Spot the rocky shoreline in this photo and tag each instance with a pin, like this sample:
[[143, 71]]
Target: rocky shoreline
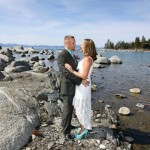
[[46, 134]]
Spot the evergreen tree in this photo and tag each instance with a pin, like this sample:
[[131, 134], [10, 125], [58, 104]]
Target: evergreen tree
[[109, 44], [132, 45], [137, 42], [143, 41]]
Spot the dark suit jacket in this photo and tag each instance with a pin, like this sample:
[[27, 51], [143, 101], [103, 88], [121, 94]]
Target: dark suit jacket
[[68, 80]]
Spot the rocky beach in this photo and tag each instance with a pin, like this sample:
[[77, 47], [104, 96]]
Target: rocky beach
[[45, 108], [31, 109]]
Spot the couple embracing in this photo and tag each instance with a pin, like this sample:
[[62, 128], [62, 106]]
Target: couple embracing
[[76, 85]]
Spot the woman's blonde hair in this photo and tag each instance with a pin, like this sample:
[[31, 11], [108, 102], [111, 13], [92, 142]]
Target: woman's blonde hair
[[90, 49]]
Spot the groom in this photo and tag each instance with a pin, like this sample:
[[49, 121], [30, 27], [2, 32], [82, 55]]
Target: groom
[[68, 83]]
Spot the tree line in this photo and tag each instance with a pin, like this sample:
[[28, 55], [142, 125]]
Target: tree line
[[137, 44]]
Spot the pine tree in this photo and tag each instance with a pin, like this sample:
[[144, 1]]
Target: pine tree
[[137, 42], [143, 41], [109, 44]]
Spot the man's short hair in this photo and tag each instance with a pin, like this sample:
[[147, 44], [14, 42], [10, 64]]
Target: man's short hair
[[67, 37]]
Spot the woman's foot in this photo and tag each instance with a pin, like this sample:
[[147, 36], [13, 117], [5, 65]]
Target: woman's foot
[[79, 129], [81, 134]]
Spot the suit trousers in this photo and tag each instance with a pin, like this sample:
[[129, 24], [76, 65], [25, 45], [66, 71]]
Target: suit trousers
[[67, 113]]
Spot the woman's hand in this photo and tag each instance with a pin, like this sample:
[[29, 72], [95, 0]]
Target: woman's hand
[[69, 67]]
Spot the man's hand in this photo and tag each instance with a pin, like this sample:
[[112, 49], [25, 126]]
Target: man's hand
[[85, 83]]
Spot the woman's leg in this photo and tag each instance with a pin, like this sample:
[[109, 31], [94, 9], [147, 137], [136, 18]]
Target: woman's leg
[[82, 129]]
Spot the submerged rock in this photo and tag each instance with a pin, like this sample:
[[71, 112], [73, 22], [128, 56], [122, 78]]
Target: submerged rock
[[139, 105], [135, 90]]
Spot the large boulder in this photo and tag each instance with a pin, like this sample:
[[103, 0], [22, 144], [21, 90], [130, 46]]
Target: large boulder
[[18, 49], [51, 56], [6, 59], [6, 51], [20, 63], [35, 58], [102, 60], [95, 65], [18, 118], [18, 66], [55, 78], [115, 60], [31, 50]]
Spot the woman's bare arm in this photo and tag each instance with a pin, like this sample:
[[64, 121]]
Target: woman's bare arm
[[87, 62]]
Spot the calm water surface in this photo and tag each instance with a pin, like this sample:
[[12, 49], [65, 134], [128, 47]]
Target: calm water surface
[[119, 78]]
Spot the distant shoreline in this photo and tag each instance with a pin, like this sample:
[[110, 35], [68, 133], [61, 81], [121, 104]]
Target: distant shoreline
[[128, 50], [40, 47]]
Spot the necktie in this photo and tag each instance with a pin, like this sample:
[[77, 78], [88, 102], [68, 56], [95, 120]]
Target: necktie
[[74, 58]]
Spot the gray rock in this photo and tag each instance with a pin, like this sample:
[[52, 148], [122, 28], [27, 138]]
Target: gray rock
[[95, 65], [94, 87], [50, 145], [5, 59], [111, 115], [18, 49], [52, 108], [35, 58], [139, 105], [102, 60], [129, 139], [1, 75], [9, 69], [23, 55], [115, 60], [120, 96], [18, 66], [19, 116], [51, 56], [31, 50], [124, 111], [42, 96], [2, 66], [111, 137], [135, 90], [20, 63], [54, 77], [6, 51], [101, 146]]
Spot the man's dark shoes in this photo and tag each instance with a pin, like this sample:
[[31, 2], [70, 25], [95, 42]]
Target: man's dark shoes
[[69, 137], [72, 127]]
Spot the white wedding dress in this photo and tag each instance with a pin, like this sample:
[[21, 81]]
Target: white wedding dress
[[82, 100]]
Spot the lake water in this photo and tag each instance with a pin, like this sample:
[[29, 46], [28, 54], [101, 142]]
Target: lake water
[[119, 78]]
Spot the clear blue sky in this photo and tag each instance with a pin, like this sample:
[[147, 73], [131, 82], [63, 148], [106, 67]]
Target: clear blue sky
[[39, 22]]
